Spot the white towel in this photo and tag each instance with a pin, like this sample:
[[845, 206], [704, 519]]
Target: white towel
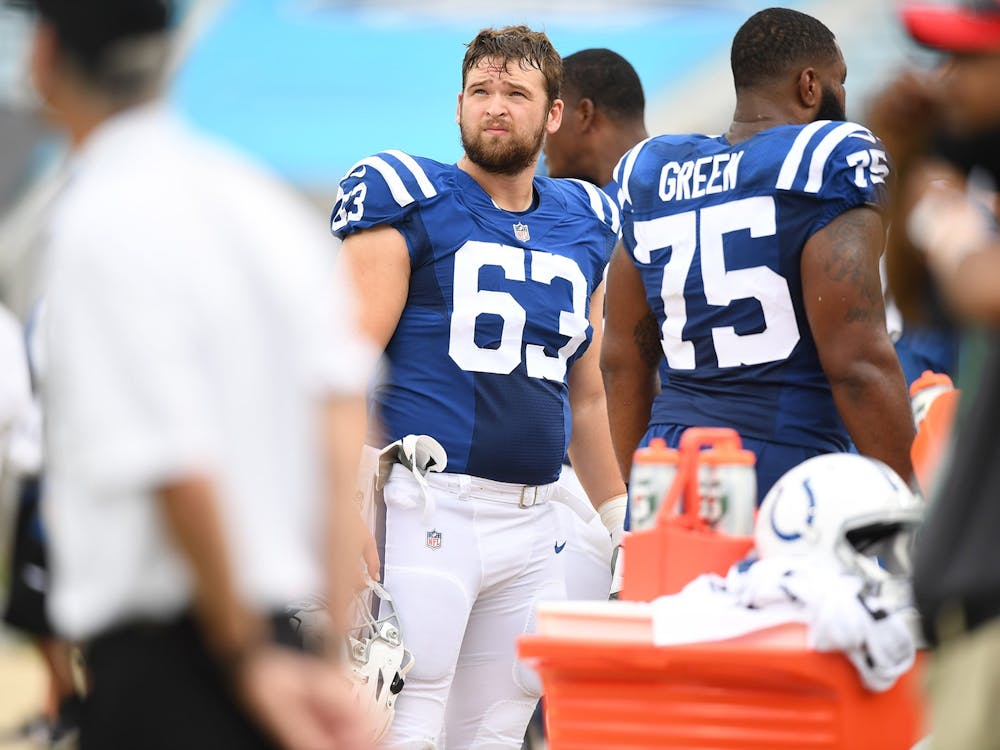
[[778, 591]]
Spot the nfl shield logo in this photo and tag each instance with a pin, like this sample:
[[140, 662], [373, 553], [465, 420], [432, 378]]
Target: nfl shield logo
[[521, 232], [434, 539]]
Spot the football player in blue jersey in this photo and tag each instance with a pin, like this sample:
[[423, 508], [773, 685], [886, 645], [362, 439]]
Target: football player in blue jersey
[[749, 262], [603, 117], [483, 283]]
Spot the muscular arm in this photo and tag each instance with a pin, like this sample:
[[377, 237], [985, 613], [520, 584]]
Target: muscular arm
[[590, 447], [379, 265], [630, 354], [843, 300]]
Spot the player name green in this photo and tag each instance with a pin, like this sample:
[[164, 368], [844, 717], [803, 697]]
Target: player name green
[[696, 179]]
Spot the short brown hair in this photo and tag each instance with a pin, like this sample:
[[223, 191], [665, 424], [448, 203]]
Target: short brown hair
[[531, 49]]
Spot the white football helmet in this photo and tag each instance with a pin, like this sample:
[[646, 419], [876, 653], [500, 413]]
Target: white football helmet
[[374, 649], [845, 511], [379, 661]]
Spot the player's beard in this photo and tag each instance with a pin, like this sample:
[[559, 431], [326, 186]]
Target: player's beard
[[829, 107], [510, 155]]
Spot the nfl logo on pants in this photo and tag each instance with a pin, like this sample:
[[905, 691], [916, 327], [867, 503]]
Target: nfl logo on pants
[[434, 539]]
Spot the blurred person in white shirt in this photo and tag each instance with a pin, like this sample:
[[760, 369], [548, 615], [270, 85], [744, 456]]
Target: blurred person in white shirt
[[204, 406]]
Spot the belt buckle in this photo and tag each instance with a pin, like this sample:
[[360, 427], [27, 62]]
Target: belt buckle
[[534, 497]]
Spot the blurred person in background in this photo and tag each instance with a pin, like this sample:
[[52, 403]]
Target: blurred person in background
[[20, 472], [944, 127], [484, 284], [204, 405], [750, 262], [31, 174], [603, 117]]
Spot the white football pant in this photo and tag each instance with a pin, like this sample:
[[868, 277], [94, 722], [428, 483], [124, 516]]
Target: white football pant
[[466, 582]]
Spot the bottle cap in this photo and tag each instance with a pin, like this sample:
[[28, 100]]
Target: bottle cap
[[727, 454], [657, 452], [930, 379]]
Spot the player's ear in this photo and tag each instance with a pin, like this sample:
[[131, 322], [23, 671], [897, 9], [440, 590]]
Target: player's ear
[[809, 89], [555, 116], [585, 113], [458, 110]]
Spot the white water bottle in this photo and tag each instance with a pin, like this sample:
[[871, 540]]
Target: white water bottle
[[727, 484], [653, 470]]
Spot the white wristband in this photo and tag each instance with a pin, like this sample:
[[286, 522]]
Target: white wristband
[[612, 512]]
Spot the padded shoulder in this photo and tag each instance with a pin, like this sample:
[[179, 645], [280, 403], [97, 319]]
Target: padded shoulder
[[836, 160], [382, 189]]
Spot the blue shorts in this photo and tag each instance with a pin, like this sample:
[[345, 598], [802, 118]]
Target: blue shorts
[[927, 348]]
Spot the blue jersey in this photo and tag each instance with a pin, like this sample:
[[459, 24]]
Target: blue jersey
[[716, 232], [497, 312]]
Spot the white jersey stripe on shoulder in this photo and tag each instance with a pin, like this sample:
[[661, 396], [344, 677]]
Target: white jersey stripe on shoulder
[[789, 168], [350, 172], [626, 167], [616, 219], [595, 200], [392, 179], [616, 172], [601, 204], [418, 172], [825, 148]]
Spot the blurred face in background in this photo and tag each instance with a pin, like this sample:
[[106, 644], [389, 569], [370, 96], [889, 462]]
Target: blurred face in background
[[970, 92], [564, 147]]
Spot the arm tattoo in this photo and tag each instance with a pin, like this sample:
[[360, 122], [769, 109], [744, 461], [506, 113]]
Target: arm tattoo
[[847, 261], [647, 338]]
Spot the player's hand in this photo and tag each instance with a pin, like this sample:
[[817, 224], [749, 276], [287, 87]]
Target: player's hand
[[302, 702], [904, 113]]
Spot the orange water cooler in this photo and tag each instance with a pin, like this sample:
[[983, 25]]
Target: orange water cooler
[[607, 686]]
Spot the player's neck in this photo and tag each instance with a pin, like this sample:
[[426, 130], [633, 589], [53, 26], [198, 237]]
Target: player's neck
[[614, 147], [755, 113], [510, 192]]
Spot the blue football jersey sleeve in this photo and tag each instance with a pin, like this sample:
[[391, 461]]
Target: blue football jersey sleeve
[[840, 164], [381, 189], [497, 310]]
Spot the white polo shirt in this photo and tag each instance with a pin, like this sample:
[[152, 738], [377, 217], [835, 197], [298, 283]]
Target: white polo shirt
[[194, 324]]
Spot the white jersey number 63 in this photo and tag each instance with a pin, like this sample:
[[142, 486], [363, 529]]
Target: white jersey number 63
[[470, 302]]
